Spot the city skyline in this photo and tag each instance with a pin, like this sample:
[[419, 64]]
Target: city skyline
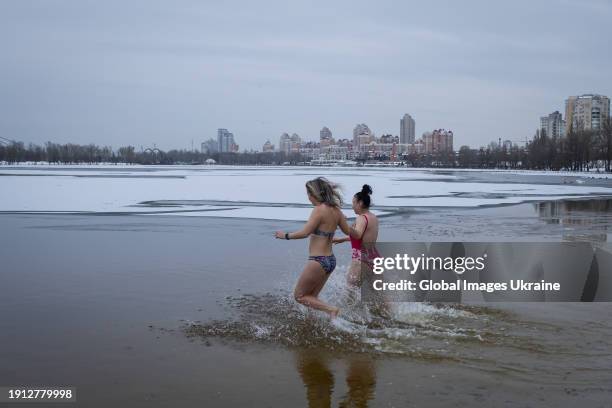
[[590, 109], [151, 73]]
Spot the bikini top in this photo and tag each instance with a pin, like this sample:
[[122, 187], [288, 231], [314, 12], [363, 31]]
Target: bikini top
[[324, 233]]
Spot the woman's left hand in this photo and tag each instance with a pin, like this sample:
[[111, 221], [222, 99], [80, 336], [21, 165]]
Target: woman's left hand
[[279, 235]]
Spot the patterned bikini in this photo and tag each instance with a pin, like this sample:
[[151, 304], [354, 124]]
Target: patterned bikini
[[327, 262]]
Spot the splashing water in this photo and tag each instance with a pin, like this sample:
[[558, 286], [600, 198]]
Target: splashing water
[[419, 330]]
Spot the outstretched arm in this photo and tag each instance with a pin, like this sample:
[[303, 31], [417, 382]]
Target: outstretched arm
[[340, 240], [309, 227], [343, 223], [358, 228], [353, 232]]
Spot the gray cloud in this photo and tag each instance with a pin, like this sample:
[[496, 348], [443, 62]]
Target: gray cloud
[[144, 72]]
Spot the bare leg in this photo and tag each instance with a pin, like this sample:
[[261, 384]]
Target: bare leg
[[309, 285], [320, 286]]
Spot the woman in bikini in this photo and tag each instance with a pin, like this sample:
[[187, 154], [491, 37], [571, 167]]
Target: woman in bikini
[[325, 218], [364, 233]]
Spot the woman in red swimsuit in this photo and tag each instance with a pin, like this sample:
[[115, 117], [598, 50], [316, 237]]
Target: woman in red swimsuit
[[366, 226]]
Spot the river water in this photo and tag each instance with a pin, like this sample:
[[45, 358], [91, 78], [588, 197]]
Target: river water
[[156, 310]]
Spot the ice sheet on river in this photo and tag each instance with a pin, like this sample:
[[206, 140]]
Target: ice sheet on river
[[263, 192]]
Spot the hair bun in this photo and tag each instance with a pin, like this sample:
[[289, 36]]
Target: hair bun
[[366, 189]]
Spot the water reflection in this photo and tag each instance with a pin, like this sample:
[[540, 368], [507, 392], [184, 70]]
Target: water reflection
[[314, 369], [317, 377], [361, 382], [582, 220]]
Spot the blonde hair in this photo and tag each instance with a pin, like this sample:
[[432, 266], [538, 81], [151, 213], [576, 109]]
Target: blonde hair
[[325, 191]]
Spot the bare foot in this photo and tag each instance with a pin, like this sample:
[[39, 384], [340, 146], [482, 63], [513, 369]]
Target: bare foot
[[334, 313]]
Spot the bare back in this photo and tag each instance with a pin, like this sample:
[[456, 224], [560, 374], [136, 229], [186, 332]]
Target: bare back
[[371, 232], [329, 220]]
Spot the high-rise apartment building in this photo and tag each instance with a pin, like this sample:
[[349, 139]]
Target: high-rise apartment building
[[553, 124], [438, 141], [296, 143], [284, 144], [325, 133], [407, 128], [326, 138], [225, 141], [362, 134], [586, 111]]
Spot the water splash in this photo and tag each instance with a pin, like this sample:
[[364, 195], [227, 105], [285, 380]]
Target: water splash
[[418, 330]]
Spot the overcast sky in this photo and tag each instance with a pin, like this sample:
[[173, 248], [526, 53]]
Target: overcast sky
[[169, 72]]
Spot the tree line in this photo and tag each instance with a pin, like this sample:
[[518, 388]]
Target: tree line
[[70, 153], [578, 150]]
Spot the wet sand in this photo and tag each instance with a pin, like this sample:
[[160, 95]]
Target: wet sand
[[150, 311]]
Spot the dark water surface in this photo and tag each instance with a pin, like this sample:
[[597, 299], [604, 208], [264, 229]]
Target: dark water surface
[[175, 311]]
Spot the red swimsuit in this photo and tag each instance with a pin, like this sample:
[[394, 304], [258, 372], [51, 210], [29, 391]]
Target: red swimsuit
[[366, 255]]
